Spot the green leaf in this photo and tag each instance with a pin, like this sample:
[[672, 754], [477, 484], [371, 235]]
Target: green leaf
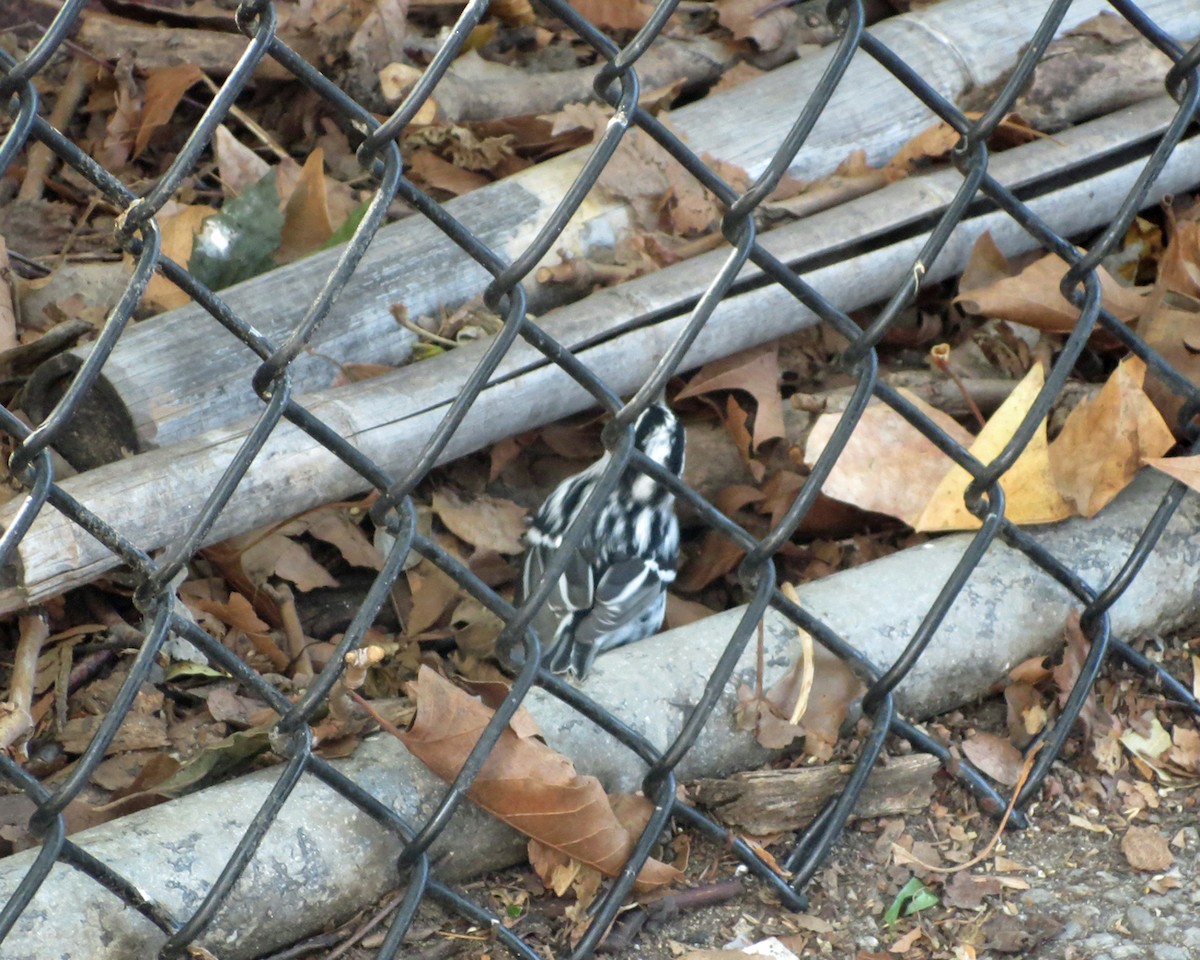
[[423, 350], [240, 241], [186, 668], [216, 761], [343, 233], [913, 897], [923, 899]]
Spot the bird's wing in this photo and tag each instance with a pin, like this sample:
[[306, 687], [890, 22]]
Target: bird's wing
[[570, 598], [627, 606]]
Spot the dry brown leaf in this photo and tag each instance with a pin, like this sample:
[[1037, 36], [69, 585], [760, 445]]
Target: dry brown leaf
[[138, 731], [1029, 490], [888, 466], [615, 14], [1146, 849], [523, 782], [178, 225], [433, 593], [755, 371], [236, 612], [379, 38], [1179, 271], [307, 225], [779, 492], [164, 89], [681, 612], [120, 132], [475, 628], [744, 19], [1106, 439], [986, 265], [1184, 469], [1066, 674], [967, 891], [995, 756], [1032, 297], [436, 172], [336, 527], [736, 421], [1026, 715], [513, 13], [716, 557], [554, 868], [834, 688], [488, 523], [906, 942], [932, 143], [281, 556], [1175, 334]]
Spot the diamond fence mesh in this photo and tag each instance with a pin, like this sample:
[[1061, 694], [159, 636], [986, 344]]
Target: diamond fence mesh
[[378, 153]]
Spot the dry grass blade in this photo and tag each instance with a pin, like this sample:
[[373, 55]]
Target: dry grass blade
[[809, 668]]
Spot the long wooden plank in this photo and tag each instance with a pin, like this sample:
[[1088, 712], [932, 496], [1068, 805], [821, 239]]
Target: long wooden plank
[[178, 375], [154, 496]]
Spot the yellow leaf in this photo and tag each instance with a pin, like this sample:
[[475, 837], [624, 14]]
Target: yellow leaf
[[1029, 490], [1106, 438]]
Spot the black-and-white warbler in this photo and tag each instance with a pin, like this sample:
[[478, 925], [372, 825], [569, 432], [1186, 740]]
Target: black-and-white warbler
[[613, 591]]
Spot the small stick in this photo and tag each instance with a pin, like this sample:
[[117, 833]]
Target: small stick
[[422, 332], [250, 123], [292, 628], [41, 157], [760, 664], [623, 933], [8, 309], [385, 724], [16, 720], [939, 356], [370, 924]]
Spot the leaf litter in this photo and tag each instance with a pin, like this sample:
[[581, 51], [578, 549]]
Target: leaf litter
[[252, 594]]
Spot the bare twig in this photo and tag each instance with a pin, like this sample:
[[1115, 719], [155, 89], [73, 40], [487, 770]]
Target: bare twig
[[41, 158], [367, 926], [292, 628], [250, 123], [939, 356], [624, 932], [16, 720]]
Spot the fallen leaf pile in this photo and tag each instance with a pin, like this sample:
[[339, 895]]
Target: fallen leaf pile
[[891, 467]]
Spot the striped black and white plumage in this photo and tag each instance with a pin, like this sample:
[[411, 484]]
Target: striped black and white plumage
[[613, 591]]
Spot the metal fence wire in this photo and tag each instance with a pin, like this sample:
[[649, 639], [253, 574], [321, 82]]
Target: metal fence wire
[[378, 153]]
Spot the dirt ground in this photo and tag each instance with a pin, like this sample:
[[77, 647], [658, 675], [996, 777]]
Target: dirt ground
[[1062, 889]]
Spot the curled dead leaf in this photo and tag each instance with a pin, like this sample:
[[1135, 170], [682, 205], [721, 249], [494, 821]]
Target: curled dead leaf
[[1032, 297], [523, 782]]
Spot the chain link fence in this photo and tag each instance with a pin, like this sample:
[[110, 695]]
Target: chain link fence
[[378, 153]]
